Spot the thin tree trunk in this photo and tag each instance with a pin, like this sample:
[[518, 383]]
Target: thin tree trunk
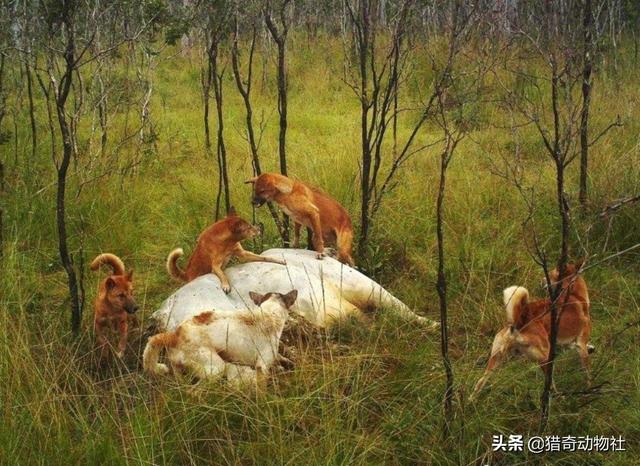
[[635, 47], [280, 38], [441, 287], [1, 209], [67, 141], [282, 136], [206, 95], [46, 92], [14, 114], [102, 116], [364, 45], [223, 180], [282, 107], [556, 289], [245, 92], [65, 257], [32, 118], [2, 113], [377, 91], [586, 100]]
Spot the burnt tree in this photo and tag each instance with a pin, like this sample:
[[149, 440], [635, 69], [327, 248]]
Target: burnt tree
[[244, 88], [279, 35], [214, 29], [61, 87], [587, 67]]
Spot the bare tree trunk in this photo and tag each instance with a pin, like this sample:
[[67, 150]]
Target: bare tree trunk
[[364, 50], [65, 257], [206, 80], [563, 208], [377, 89], [555, 295], [280, 38], [282, 108], [145, 76], [46, 92], [613, 33], [61, 95], [223, 180], [441, 286], [32, 118], [3, 111], [635, 46], [245, 92], [186, 41], [14, 114], [2, 193], [103, 116], [587, 67], [222, 151]]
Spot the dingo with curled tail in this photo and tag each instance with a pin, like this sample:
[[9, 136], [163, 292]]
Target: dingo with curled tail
[[528, 327], [113, 303], [216, 245]]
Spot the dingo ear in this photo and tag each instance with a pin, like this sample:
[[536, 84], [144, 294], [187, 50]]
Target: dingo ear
[[110, 282], [251, 180], [290, 298], [256, 297], [284, 185], [130, 275], [580, 263]]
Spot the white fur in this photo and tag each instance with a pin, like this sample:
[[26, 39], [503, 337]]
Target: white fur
[[250, 346], [512, 296], [327, 291]]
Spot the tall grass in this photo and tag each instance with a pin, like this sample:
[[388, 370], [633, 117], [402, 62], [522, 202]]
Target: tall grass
[[360, 394]]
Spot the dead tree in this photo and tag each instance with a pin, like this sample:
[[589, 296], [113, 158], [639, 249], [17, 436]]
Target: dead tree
[[145, 69], [102, 104], [244, 88], [68, 30], [441, 285], [32, 116], [590, 45], [215, 26], [553, 110], [376, 78], [223, 177], [279, 35], [451, 96], [5, 45], [558, 142], [375, 86], [3, 111], [61, 88], [587, 67]]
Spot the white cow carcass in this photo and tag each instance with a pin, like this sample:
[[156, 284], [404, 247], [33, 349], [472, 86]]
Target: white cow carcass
[[327, 291]]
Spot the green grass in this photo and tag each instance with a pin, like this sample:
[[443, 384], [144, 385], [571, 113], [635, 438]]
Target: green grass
[[360, 394]]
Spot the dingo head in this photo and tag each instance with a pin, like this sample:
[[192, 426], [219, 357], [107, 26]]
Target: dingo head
[[267, 186], [239, 227], [119, 292]]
